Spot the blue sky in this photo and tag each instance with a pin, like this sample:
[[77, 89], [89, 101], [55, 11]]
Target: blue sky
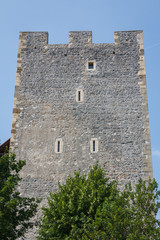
[[103, 17]]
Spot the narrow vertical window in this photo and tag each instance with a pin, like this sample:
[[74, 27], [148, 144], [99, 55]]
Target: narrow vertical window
[[94, 145], [79, 95], [58, 145]]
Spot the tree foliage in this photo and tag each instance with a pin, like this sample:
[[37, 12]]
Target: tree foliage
[[15, 211], [92, 207]]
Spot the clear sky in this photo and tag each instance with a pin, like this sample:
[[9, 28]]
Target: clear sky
[[103, 17]]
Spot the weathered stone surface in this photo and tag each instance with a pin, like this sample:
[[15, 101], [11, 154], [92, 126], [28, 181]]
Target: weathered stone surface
[[114, 109]]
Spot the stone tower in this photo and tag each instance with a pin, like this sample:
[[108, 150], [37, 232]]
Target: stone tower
[[77, 103]]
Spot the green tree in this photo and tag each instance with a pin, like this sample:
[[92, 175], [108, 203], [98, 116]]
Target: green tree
[[15, 211], [92, 207]]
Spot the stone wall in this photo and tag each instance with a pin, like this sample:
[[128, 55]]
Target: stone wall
[[113, 110]]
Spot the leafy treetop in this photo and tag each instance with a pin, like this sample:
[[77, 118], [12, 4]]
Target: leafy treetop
[[15, 211], [92, 207]]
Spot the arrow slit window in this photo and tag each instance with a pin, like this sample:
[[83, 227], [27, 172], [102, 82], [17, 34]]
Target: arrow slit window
[[94, 145], [58, 146], [79, 95]]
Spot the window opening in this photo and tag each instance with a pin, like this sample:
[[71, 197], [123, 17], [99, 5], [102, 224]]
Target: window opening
[[90, 65], [94, 146], [58, 146], [79, 96]]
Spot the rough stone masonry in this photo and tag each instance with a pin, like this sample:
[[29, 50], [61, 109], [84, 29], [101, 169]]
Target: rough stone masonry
[[77, 103]]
